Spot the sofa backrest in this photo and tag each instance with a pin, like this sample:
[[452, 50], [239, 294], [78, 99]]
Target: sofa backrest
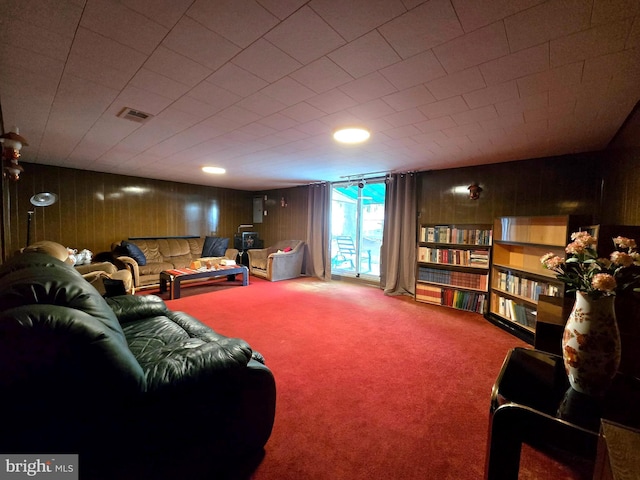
[[179, 251]]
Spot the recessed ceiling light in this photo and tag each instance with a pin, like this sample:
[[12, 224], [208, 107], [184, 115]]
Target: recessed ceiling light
[[351, 135], [214, 170]]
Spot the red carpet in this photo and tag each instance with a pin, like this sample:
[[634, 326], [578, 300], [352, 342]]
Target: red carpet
[[369, 386]]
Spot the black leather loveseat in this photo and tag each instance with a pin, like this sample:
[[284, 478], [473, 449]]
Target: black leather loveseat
[[136, 390]]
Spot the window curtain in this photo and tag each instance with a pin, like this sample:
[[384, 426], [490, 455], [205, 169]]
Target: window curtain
[[397, 270], [318, 263]]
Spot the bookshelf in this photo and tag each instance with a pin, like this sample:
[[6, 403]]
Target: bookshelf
[[453, 265], [518, 279]]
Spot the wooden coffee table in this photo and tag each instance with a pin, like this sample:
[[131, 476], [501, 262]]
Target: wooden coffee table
[[173, 278]]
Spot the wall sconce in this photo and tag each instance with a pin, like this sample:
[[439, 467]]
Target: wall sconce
[[474, 191], [12, 143], [283, 202]]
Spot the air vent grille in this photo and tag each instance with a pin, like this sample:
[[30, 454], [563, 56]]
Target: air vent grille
[[134, 115]]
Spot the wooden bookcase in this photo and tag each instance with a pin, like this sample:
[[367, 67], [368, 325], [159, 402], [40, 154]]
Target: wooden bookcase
[[518, 279], [453, 265]]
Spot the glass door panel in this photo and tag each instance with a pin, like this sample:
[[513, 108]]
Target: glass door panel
[[357, 218]]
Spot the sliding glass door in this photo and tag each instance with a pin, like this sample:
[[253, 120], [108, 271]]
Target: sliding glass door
[[357, 218]]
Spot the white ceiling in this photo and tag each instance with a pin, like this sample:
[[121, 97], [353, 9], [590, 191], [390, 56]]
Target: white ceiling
[[258, 86]]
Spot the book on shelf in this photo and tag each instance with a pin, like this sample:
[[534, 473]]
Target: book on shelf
[[526, 287], [450, 256], [478, 281], [516, 312]]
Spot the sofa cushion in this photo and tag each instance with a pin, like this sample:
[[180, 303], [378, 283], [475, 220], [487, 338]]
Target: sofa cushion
[[134, 252], [214, 246]]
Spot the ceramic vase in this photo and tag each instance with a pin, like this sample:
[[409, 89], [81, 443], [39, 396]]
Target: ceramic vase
[[591, 344]]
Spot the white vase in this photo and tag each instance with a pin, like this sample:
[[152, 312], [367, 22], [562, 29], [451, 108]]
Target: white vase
[[591, 344]]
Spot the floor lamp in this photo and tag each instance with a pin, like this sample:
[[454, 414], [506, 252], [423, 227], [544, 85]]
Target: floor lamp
[[43, 199]]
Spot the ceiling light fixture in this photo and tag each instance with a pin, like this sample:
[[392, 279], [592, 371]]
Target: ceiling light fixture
[[351, 135], [214, 170]]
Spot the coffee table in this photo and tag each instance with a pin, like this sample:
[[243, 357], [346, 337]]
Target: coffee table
[[173, 278]]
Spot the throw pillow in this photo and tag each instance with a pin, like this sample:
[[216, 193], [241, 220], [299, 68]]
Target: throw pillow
[[214, 247], [134, 252]]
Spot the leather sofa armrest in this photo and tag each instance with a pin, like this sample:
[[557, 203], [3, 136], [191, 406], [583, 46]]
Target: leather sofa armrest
[[133, 267], [129, 308]]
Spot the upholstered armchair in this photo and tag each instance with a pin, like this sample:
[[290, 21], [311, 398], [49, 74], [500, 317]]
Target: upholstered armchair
[[278, 262]]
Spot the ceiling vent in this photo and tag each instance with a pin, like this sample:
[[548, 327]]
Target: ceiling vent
[[134, 115]]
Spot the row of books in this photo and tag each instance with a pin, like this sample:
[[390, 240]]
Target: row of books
[[470, 258], [447, 234], [478, 281], [463, 300], [526, 287], [516, 312]]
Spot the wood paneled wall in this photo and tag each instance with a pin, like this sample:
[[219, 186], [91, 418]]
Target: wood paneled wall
[[95, 209], [283, 223], [549, 186], [621, 187]]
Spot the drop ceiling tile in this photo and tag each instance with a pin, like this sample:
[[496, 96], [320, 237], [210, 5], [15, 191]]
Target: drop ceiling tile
[[36, 39], [444, 107], [414, 71], [237, 80], [114, 20], [475, 115], [548, 21], [261, 104], [435, 125], [277, 121], [156, 83], [355, 18], [365, 55], [314, 127], [404, 131], [519, 64], [165, 12], [406, 117], [409, 98], [224, 16], [532, 102], [492, 94], [371, 110], [303, 112], [197, 108], [60, 17], [475, 48], [503, 121], [557, 110], [177, 67], [305, 36], [474, 14], [567, 75], [605, 11], [340, 119], [288, 91], [282, 8], [368, 88], [590, 43], [431, 24], [213, 95], [332, 101], [456, 83], [634, 36], [24, 60], [321, 75], [238, 115], [188, 37], [266, 61]]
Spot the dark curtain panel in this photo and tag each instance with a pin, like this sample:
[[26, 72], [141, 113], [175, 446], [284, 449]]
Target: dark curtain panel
[[398, 269], [318, 262]]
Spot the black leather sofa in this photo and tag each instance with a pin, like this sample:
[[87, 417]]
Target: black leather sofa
[[137, 390]]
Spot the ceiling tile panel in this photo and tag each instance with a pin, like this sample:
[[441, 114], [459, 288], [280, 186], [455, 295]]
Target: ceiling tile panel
[[197, 108], [437, 124], [456, 84], [548, 21], [114, 20], [431, 24], [355, 18], [165, 12], [474, 14], [60, 17], [516, 65], [371, 110], [606, 11], [321, 75], [288, 91], [444, 107], [532, 102], [237, 80], [266, 61], [590, 43], [134, 97], [36, 39], [566, 75], [368, 88], [365, 55], [261, 104], [156, 83], [213, 95], [406, 117], [475, 115], [475, 48], [177, 67], [492, 94], [277, 121], [332, 101], [224, 16], [305, 36], [409, 98], [188, 37], [303, 112], [414, 71], [282, 8]]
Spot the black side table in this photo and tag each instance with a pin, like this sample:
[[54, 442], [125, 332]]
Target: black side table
[[532, 402]]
